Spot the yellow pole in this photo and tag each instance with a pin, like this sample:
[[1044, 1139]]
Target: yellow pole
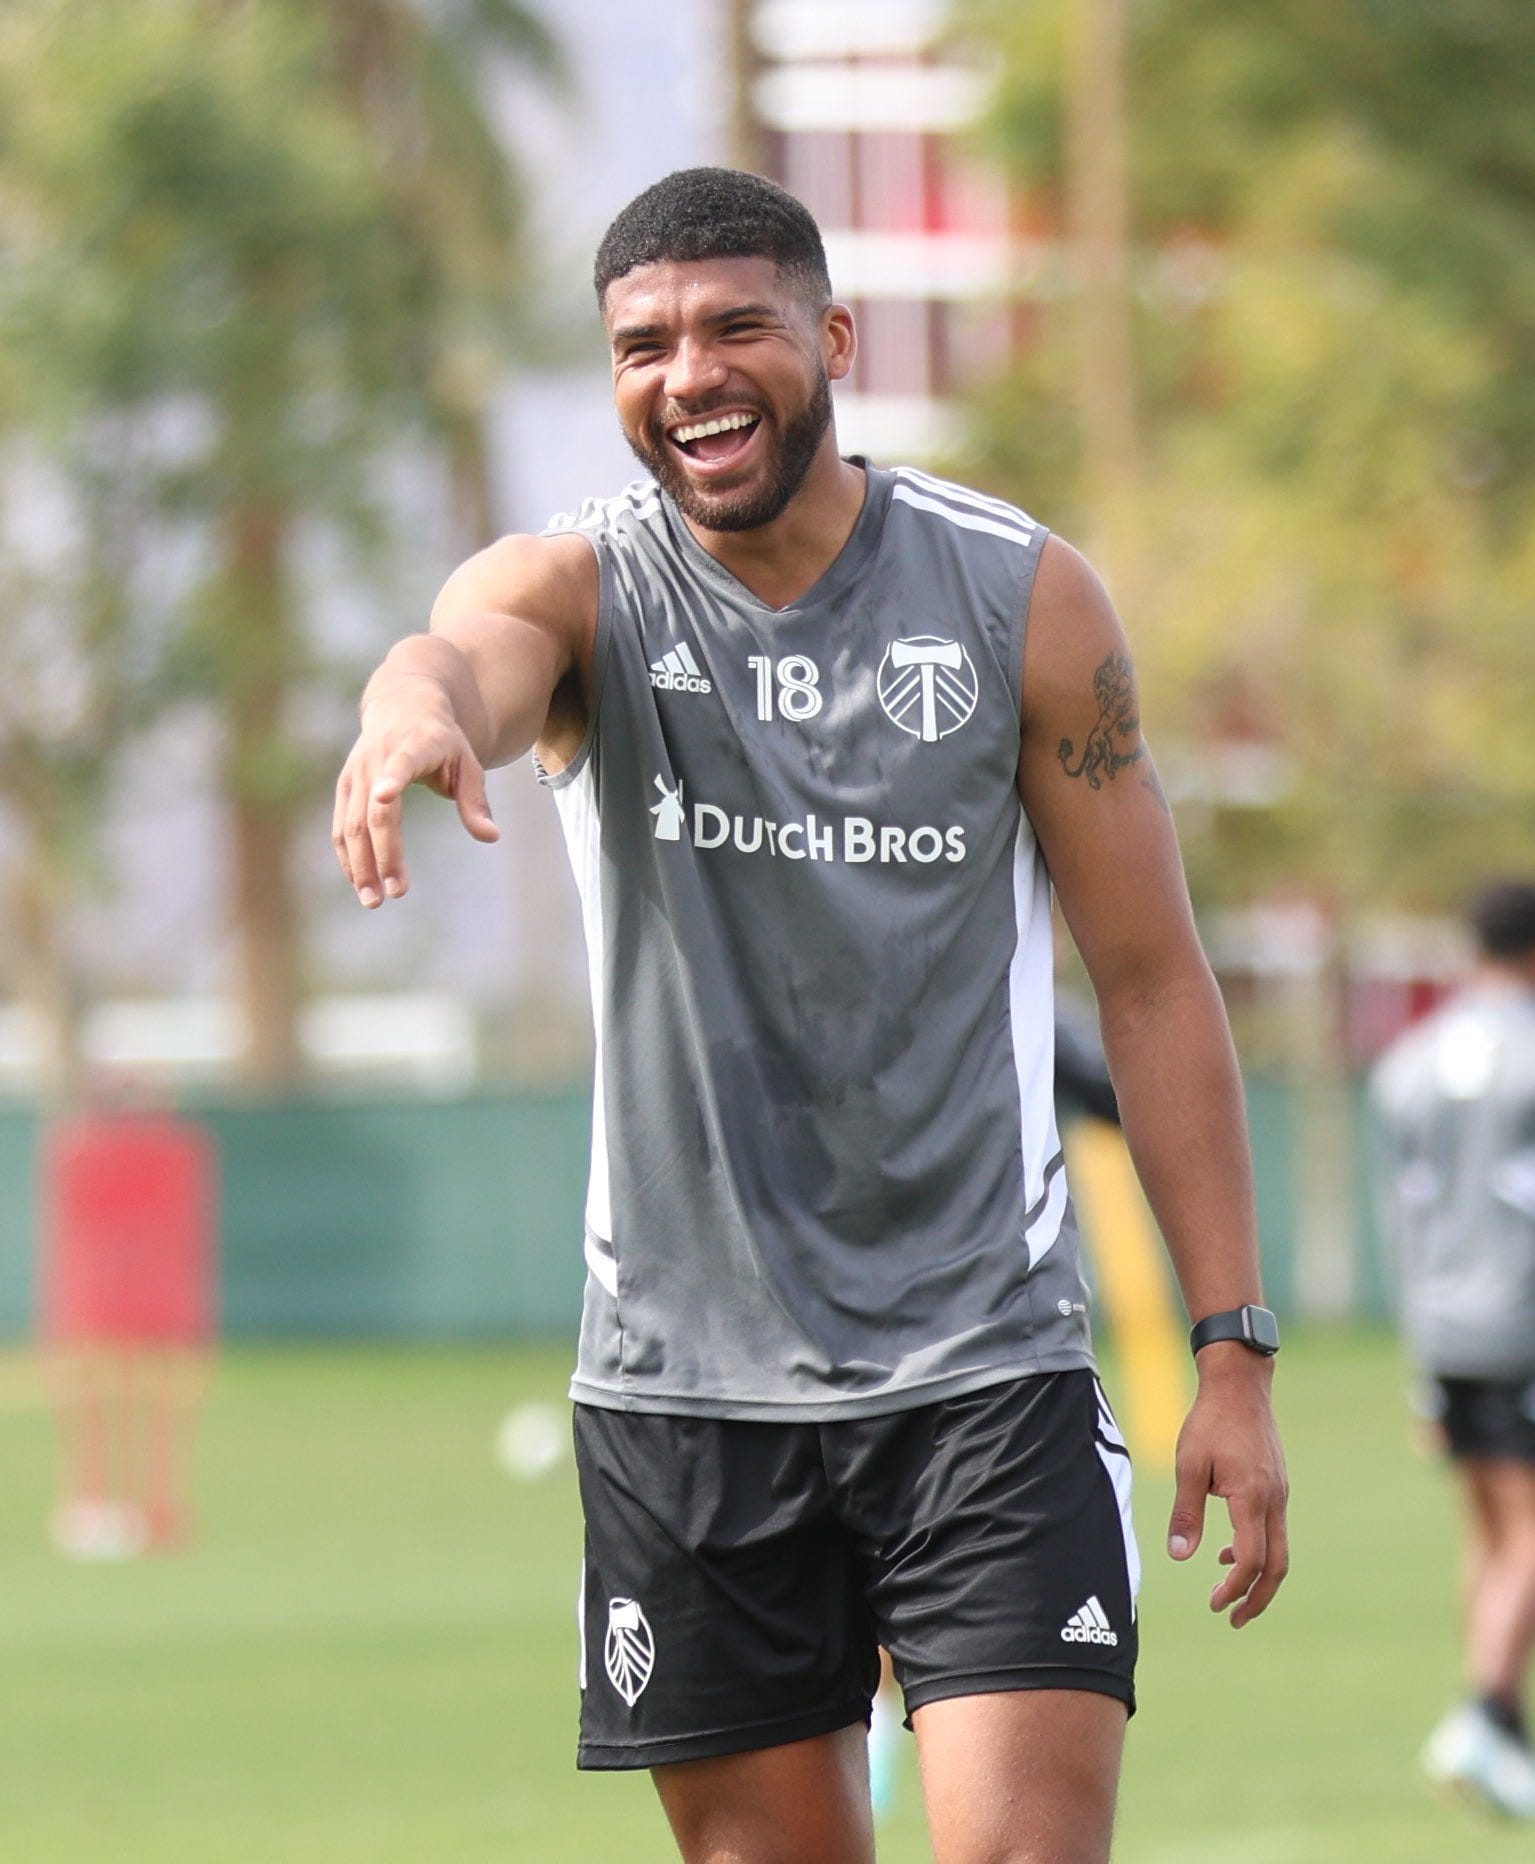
[[1132, 1281]]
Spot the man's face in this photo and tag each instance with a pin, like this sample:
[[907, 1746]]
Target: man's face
[[728, 344]]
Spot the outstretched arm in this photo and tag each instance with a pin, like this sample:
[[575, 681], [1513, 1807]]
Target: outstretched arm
[[512, 628], [1088, 784]]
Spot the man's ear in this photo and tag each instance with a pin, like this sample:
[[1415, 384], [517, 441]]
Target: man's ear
[[839, 340]]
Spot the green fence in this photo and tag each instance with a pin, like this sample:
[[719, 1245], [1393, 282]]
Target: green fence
[[443, 1219], [458, 1219]]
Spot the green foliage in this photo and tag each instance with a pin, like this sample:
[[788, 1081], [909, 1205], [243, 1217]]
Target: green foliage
[[1332, 271]]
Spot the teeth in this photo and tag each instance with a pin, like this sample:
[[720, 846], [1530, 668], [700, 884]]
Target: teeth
[[726, 424]]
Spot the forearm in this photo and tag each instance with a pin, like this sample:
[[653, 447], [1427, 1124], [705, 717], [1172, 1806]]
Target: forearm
[[427, 671], [1182, 1105]]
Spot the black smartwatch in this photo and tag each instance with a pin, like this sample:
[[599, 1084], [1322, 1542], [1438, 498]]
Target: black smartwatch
[[1255, 1327]]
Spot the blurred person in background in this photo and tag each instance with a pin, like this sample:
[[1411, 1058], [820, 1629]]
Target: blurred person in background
[[1454, 1106], [822, 736]]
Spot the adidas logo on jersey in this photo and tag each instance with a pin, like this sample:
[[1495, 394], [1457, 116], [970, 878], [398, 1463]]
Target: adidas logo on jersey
[[1088, 1626], [679, 672]]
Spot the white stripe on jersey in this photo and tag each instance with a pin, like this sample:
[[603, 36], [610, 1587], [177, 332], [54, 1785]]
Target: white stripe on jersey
[[602, 1266], [1030, 987], [641, 499], [966, 496], [576, 802], [966, 520]]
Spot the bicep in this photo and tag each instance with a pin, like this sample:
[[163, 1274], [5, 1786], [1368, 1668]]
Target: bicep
[[1090, 788], [523, 615]]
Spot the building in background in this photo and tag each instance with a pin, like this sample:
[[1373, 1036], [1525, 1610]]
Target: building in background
[[862, 109]]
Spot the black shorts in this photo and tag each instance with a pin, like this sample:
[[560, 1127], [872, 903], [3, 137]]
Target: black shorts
[[1485, 1417], [740, 1576]]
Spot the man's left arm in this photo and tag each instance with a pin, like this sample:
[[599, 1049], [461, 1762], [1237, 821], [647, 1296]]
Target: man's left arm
[[1091, 792]]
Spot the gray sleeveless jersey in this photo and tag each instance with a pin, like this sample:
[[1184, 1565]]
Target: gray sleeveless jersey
[[1454, 1104], [826, 1179]]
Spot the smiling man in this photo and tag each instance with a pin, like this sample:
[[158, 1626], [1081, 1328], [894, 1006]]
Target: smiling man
[[824, 736]]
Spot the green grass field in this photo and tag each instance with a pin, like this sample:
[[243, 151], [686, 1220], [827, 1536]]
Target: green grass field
[[369, 1655]]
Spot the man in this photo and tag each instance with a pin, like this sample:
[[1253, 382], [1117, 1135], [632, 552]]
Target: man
[[816, 731], [1455, 1105]]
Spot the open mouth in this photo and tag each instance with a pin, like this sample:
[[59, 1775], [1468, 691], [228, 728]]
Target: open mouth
[[718, 441]]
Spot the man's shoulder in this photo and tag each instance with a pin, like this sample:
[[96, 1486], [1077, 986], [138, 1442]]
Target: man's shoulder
[[550, 579], [950, 512]]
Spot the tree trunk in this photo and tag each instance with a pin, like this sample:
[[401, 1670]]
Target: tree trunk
[[261, 791], [475, 505], [43, 969]]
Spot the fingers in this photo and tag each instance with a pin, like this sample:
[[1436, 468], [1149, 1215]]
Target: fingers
[[383, 818], [1276, 1563], [365, 830], [350, 838], [473, 804], [1258, 1559], [367, 827], [1186, 1528], [1248, 1548]]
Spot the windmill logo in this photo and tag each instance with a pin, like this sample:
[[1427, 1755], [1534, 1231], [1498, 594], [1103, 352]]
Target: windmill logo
[[669, 813], [630, 1650], [927, 686]]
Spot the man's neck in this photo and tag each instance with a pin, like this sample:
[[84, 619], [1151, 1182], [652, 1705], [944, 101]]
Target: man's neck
[[784, 560]]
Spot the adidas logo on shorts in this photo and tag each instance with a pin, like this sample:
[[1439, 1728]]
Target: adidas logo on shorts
[[679, 672], [1088, 1626]]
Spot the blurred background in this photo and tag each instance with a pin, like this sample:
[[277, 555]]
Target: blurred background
[[295, 314]]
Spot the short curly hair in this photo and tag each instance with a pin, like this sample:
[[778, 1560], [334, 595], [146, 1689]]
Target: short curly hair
[[1503, 918], [715, 213]]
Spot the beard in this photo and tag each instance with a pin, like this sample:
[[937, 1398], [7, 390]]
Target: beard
[[793, 444]]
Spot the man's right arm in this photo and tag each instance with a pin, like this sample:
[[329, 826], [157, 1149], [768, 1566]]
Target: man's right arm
[[512, 627]]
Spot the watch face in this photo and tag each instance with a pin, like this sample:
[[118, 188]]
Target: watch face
[[1262, 1328]]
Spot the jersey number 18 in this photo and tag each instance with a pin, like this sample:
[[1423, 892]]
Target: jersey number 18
[[795, 693]]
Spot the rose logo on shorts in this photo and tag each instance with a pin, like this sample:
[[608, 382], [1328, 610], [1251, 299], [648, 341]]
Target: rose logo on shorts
[[927, 686], [630, 1649]]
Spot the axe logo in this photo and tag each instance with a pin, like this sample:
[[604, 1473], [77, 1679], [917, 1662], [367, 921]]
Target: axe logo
[[927, 686]]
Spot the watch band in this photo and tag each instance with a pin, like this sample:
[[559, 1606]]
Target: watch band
[[1255, 1327]]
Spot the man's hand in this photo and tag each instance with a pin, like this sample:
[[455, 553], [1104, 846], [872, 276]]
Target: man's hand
[[1229, 1446], [409, 735]]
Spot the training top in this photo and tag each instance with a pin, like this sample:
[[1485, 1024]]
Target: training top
[[825, 1179], [1454, 1100]]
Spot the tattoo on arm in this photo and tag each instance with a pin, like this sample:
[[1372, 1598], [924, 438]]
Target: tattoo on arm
[[1117, 719]]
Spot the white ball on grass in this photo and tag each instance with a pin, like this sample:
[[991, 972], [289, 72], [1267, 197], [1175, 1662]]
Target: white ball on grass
[[533, 1439]]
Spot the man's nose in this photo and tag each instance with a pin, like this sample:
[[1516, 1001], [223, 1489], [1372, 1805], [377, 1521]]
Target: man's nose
[[696, 369]]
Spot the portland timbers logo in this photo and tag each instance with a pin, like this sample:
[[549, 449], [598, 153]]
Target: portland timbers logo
[[630, 1650], [927, 686]]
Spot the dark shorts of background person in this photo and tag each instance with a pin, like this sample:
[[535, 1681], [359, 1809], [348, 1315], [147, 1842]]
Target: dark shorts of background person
[[740, 1576], [1492, 1418]]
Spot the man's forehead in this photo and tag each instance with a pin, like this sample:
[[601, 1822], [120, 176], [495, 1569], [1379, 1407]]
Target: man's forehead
[[670, 288]]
